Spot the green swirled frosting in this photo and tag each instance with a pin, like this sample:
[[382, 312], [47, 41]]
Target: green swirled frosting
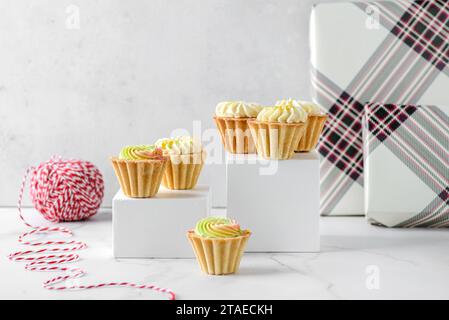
[[218, 227], [140, 152]]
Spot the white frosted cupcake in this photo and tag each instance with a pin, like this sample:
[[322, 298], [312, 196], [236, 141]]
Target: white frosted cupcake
[[186, 160], [231, 118], [278, 130], [314, 126]]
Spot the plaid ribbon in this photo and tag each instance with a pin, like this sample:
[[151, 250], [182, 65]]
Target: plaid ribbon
[[419, 138], [401, 69]]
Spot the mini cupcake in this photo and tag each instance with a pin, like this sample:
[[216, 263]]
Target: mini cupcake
[[139, 170], [218, 244], [231, 118], [186, 159], [278, 130], [314, 126]]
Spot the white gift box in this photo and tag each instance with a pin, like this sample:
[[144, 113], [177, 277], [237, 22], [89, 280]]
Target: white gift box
[[377, 51], [407, 165], [277, 200], [156, 227]]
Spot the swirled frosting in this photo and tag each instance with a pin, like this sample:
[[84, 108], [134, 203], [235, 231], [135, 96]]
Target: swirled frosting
[[285, 111], [237, 109], [141, 152], [179, 145], [218, 227], [311, 108], [288, 103]]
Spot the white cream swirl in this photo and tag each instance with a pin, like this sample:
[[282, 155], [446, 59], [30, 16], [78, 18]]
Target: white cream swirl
[[282, 113], [181, 145], [237, 109], [311, 108]]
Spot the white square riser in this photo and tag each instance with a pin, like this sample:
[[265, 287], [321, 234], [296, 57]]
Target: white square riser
[[156, 227], [277, 200]]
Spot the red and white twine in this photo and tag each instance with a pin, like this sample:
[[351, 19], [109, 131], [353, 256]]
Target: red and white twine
[[50, 196]]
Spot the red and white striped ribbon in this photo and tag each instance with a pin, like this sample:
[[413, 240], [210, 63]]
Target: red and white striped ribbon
[[52, 259]]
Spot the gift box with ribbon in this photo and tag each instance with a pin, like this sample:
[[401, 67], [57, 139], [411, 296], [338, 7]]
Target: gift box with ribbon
[[387, 51], [407, 165]]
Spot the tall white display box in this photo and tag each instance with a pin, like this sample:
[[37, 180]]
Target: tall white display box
[[156, 227], [277, 200]]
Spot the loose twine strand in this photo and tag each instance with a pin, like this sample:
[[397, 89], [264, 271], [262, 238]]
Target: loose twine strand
[[53, 259]]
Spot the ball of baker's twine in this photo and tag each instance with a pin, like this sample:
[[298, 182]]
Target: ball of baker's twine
[[64, 190]]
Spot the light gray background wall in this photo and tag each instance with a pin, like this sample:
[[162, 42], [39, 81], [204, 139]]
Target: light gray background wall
[[134, 71]]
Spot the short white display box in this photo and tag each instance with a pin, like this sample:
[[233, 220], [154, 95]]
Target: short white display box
[[277, 200], [156, 227]]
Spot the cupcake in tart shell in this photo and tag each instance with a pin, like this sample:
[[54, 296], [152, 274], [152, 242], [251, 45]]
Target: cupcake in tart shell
[[231, 118], [277, 130], [139, 170], [218, 244], [314, 126], [185, 161]]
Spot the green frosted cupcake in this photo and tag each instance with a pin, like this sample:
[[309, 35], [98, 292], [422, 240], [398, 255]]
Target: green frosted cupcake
[[218, 244], [139, 170]]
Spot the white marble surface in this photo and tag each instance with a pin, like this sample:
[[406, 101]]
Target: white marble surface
[[410, 264]]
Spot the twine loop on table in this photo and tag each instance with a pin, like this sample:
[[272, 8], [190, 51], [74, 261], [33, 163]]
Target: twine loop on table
[[63, 190]]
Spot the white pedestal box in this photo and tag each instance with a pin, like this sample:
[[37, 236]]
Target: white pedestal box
[[156, 227], [277, 200]]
